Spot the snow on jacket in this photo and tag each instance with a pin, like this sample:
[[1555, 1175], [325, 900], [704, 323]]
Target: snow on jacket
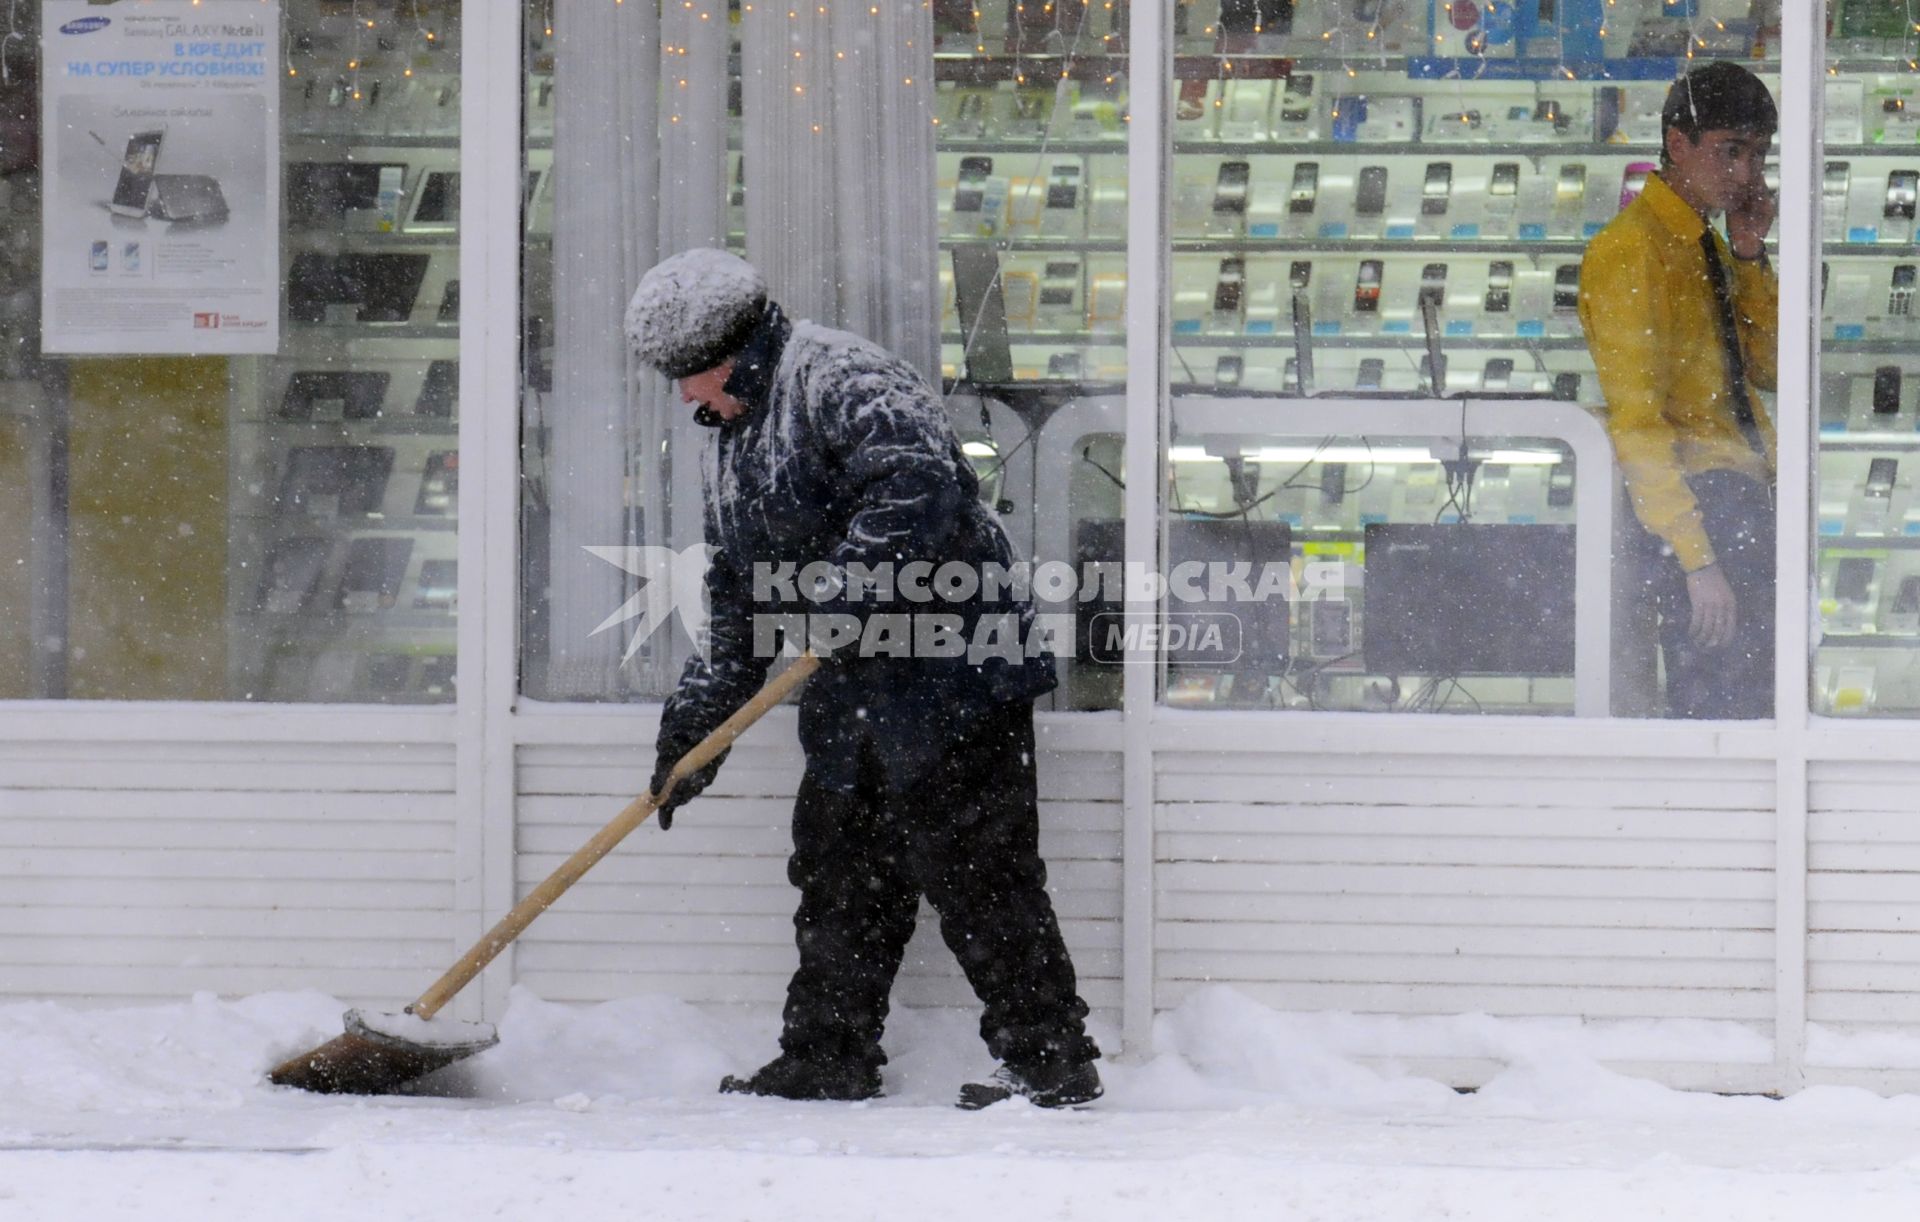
[[845, 455]]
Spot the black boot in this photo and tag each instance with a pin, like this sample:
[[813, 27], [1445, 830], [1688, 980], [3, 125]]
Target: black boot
[[791, 1077], [1050, 1084]]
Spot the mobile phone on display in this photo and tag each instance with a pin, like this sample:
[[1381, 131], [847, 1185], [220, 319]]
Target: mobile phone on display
[[1230, 189], [1505, 182], [1880, 477], [1299, 275], [1902, 187], [1566, 288], [1296, 101], [1634, 180], [1907, 601], [970, 192], [1546, 110], [1229, 290], [1833, 188], [1433, 284], [137, 166], [1499, 287], [1498, 374], [1437, 190], [1306, 188], [1063, 185], [1886, 391], [1900, 293], [1572, 185], [1366, 287], [1372, 370], [1229, 370], [1370, 195], [1853, 580]]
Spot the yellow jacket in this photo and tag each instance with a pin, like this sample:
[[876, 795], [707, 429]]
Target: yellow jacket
[[1651, 324]]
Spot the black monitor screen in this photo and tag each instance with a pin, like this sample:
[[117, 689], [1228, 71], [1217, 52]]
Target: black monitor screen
[[1254, 633], [1463, 599]]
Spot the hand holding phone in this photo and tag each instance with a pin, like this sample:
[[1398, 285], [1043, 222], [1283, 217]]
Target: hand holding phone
[[1748, 224]]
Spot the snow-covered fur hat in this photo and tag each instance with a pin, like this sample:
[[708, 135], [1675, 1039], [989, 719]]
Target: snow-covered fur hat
[[694, 310]]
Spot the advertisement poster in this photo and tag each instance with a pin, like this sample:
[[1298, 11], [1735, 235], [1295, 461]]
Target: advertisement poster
[[162, 182]]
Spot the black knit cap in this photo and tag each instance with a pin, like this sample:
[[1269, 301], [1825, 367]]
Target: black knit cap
[[1721, 96]]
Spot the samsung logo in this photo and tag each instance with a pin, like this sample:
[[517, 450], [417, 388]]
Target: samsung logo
[[86, 25]]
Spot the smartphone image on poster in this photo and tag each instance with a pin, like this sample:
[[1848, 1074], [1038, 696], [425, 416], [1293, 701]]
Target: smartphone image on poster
[[1370, 196], [97, 257], [137, 167]]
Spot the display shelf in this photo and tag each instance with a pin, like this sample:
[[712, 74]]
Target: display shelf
[[1869, 347], [379, 426], [1389, 246], [1279, 147], [1284, 340], [352, 524], [1871, 543], [1868, 640], [1839, 442], [357, 332]]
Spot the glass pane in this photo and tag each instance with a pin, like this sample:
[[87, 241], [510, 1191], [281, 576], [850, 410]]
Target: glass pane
[[203, 512], [1379, 213], [1867, 571], [1021, 196]]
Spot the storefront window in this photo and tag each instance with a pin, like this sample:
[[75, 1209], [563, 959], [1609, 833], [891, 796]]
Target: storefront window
[[1382, 363], [229, 321], [947, 181], [1867, 568]]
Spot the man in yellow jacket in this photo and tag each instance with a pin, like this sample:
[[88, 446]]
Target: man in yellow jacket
[[1682, 325]]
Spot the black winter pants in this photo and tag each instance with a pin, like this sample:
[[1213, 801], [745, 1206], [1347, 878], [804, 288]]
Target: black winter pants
[[967, 837], [1735, 681]]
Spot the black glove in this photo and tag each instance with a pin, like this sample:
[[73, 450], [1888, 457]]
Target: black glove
[[689, 787]]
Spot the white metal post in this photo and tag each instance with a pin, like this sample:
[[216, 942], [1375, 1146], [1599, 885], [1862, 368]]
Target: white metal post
[[489, 488], [1802, 63], [1150, 78]]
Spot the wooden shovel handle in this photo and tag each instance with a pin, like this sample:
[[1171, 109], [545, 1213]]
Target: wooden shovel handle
[[570, 872]]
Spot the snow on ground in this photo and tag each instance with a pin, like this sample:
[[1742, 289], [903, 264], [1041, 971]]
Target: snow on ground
[[609, 1112]]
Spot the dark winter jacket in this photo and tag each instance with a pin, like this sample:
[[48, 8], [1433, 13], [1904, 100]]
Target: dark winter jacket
[[845, 455]]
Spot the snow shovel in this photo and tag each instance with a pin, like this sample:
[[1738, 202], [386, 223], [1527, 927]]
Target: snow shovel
[[381, 1052]]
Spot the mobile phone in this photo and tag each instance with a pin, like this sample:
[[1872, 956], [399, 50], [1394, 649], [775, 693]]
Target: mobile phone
[[1290, 376], [1907, 601], [1063, 185], [970, 192], [1546, 110], [1886, 390], [1634, 180], [1433, 284], [1853, 580], [1305, 190], [1299, 275], [1498, 374], [1229, 289], [1366, 287], [1571, 187], [1902, 186], [1370, 195], [1900, 293], [1372, 370], [1296, 102], [1230, 189], [1437, 190], [1333, 483], [1566, 288], [137, 166], [1499, 287], [1229, 369], [1505, 182], [1566, 387], [1833, 186], [1880, 476], [1060, 285]]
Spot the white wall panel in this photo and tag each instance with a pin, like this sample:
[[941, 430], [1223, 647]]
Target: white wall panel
[[704, 911], [1437, 884], [145, 871], [1863, 896]]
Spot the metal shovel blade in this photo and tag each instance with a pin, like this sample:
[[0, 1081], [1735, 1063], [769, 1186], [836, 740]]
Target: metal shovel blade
[[368, 1060]]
